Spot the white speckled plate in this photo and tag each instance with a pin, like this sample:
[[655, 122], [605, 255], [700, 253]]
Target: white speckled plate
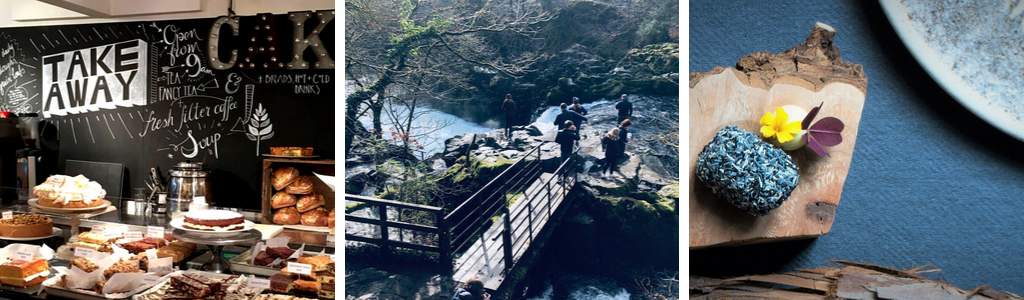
[[967, 69]]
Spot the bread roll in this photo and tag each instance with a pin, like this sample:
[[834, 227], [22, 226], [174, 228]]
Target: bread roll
[[330, 220], [309, 202], [282, 200], [286, 216], [301, 186], [282, 177], [315, 217]]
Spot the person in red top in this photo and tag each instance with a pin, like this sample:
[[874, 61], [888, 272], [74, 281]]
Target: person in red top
[[509, 107]]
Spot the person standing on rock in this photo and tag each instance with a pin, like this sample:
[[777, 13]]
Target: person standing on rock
[[568, 115], [625, 109], [577, 107], [509, 107], [567, 139], [612, 152], [472, 290], [624, 134]]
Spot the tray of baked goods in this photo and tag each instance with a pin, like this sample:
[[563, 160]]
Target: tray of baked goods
[[267, 258], [204, 285], [110, 238], [96, 275]]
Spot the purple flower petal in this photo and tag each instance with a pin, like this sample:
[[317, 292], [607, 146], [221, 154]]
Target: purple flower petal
[[811, 143], [827, 131], [810, 117]]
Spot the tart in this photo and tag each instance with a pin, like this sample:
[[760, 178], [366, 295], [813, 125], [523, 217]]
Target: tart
[[292, 151], [214, 220], [23, 226]]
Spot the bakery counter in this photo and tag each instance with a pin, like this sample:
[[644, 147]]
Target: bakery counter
[[73, 224]]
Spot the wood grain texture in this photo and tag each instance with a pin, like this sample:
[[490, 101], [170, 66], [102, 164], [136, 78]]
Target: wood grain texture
[[740, 98]]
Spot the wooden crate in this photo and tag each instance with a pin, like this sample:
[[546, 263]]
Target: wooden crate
[[306, 168]]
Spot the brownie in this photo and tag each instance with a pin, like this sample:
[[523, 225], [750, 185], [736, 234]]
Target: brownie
[[281, 283], [280, 252], [263, 259], [138, 247]]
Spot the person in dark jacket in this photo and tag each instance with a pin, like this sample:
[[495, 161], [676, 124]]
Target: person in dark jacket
[[577, 107], [472, 290], [568, 115], [567, 138], [625, 108], [509, 107], [624, 133], [612, 152]]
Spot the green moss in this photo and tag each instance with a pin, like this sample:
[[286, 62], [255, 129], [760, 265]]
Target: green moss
[[354, 207], [670, 191]]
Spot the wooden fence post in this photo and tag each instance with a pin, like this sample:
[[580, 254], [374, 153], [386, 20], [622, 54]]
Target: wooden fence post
[[383, 211]]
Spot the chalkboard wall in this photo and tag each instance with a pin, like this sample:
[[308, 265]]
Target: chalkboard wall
[[151, 94]]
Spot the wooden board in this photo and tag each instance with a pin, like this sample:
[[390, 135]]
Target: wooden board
[[807, 75]]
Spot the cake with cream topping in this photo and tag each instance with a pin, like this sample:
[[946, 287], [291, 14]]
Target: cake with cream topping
[[62, 191], [214, 220]]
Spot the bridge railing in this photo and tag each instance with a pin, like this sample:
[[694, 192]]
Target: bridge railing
[[385, 241], [469, 220]]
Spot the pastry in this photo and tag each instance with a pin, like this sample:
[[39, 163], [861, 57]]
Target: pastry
[[330, 219], [124, 266], [320, 263], [191, 286], [301, 186], [84, 264], [316, 217], [282, 199], [286, 216], [62, 191], [214, 220], [281, 283], [21, 273], [26, 226], [309, 202], [306, 286], [137, 247], [282, 177], [292, 151], [263, 259], [326, 287], [280, 252], [94, 237]]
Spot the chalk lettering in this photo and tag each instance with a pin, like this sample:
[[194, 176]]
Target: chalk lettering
[[154, 124], [75, 75]]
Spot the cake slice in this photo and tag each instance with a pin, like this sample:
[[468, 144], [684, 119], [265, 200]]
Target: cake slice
[[281, 283], [21, 273]]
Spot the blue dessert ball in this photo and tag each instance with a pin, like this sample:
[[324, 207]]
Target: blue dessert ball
[[747, 171]]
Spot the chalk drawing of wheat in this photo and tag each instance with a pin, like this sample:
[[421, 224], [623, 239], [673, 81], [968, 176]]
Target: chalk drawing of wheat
[[260, 128]]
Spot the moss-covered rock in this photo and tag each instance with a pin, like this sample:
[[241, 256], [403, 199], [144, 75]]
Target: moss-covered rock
[[655, 59]]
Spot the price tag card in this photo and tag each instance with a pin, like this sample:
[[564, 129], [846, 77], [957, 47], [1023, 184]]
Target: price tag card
[[150, 280], [26, 255], [151, 254], [8, 215], [155, 232], [259, 283], [111, 233], [132, 236], [330, 239], [99, 228], [301, 269], [331, 256], [84, 252], [161, 265]]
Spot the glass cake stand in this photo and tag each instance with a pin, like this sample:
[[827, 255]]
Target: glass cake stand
[[216, 243]]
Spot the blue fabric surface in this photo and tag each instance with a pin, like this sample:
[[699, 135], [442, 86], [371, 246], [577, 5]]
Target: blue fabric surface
[[930, 182]]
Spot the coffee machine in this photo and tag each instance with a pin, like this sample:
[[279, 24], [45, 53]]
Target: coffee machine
[[28, 157]]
